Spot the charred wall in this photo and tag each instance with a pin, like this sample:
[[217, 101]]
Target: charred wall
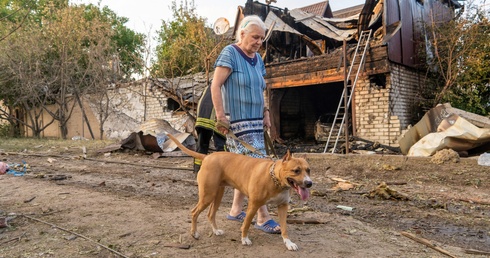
[[323, 69], [302, 107], [308, 90]]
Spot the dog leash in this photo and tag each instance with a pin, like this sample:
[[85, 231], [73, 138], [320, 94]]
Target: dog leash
[[269, 147], [246, 145]]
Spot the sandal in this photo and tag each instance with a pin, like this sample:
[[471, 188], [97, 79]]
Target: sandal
[[240, 217], [268, 227]]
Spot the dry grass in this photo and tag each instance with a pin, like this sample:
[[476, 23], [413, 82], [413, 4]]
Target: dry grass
[[46, 145]]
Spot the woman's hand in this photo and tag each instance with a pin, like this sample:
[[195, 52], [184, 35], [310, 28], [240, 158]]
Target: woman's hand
[[267, 120], [223, 124]]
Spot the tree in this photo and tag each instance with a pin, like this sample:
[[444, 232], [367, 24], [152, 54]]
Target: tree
[[184, 43], [127, 60], [186, 46], [23, 85], [461, 60], [128, 44], [71, 51]]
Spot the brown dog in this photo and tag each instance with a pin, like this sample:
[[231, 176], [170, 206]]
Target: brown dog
[[261, 180]]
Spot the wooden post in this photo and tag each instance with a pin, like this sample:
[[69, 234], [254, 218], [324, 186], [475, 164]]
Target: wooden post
[[346, 96]]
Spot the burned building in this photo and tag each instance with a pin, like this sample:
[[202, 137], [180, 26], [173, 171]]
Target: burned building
[[308, 66], [307, 69]]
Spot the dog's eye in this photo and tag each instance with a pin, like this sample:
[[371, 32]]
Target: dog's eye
[[297, 171], [308, 171]]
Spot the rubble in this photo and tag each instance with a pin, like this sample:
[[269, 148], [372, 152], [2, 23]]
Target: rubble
[[445, 127]]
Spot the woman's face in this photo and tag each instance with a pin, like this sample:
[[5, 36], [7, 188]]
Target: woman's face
[[252, 39]]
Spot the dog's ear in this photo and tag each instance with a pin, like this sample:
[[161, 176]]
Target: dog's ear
[[287, 156]]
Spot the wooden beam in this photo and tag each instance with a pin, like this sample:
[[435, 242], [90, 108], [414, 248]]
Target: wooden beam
[[321, 69], [305, 79], [321, 77]]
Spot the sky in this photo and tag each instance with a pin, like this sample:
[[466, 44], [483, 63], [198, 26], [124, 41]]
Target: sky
[[146, 16]]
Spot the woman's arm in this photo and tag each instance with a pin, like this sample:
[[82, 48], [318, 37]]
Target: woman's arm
[[220, 75]]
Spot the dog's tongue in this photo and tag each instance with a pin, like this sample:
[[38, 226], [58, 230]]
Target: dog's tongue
[[304, 193]]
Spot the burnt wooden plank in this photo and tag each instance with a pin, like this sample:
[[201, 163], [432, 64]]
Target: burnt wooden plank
[[323, 63], [323, 76], [305, 79]]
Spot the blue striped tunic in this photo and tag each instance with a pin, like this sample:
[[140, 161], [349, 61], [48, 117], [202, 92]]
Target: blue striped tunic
[[243, 98]]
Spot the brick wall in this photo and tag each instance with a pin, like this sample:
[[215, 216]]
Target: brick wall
[[384, 111], [405, 87]]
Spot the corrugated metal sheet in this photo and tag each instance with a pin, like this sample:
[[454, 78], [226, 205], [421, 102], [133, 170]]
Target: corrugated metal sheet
[[322, 26], [279, 24], [353, 19]]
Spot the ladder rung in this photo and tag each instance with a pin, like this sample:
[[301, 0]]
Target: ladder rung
[[361, 49]]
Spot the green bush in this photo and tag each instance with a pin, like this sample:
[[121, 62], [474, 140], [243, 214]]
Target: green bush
[[5, 129]]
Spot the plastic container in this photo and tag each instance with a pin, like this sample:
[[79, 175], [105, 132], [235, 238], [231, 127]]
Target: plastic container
[[484, 159]]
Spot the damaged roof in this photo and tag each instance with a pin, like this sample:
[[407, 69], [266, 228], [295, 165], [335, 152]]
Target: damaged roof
[[326, 27], [311, 31], [349, 11], [319, 9]]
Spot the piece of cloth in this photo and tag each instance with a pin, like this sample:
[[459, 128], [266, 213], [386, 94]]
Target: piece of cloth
[[250, 131], [243, 99], [4, 167]]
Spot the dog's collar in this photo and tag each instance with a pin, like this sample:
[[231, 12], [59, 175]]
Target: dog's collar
[[274, 178]]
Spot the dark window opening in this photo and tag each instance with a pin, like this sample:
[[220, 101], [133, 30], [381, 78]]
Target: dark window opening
[[378, 81], [172, 105], [303, 110]]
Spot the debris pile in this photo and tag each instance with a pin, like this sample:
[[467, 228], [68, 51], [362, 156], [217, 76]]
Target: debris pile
[[344, 185], [445, 127], [14, 168], [445, 156], [382, 191]]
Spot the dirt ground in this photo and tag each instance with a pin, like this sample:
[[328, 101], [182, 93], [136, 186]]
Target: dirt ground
[[130, 204]]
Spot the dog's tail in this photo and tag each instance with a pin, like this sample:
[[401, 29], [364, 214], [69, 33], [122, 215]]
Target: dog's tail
[[192, 153]]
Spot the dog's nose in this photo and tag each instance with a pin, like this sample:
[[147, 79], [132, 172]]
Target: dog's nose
[[308, 184]]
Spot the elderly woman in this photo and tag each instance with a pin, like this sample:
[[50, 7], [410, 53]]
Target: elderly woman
[[237, 93]]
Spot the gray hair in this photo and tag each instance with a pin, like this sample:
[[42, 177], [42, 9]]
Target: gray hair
[[246, 23]]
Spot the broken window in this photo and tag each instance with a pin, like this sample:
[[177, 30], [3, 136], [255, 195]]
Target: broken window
[[172, 105], [377, 81]]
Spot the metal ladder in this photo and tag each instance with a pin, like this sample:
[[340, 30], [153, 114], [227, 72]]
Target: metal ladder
[[361, 49]]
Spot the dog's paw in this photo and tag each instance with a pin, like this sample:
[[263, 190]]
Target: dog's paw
[[195, 235], [246, 241], [218, 232], [290, 245]]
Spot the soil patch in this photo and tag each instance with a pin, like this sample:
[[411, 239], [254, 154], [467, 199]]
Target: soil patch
[[129, 204]]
